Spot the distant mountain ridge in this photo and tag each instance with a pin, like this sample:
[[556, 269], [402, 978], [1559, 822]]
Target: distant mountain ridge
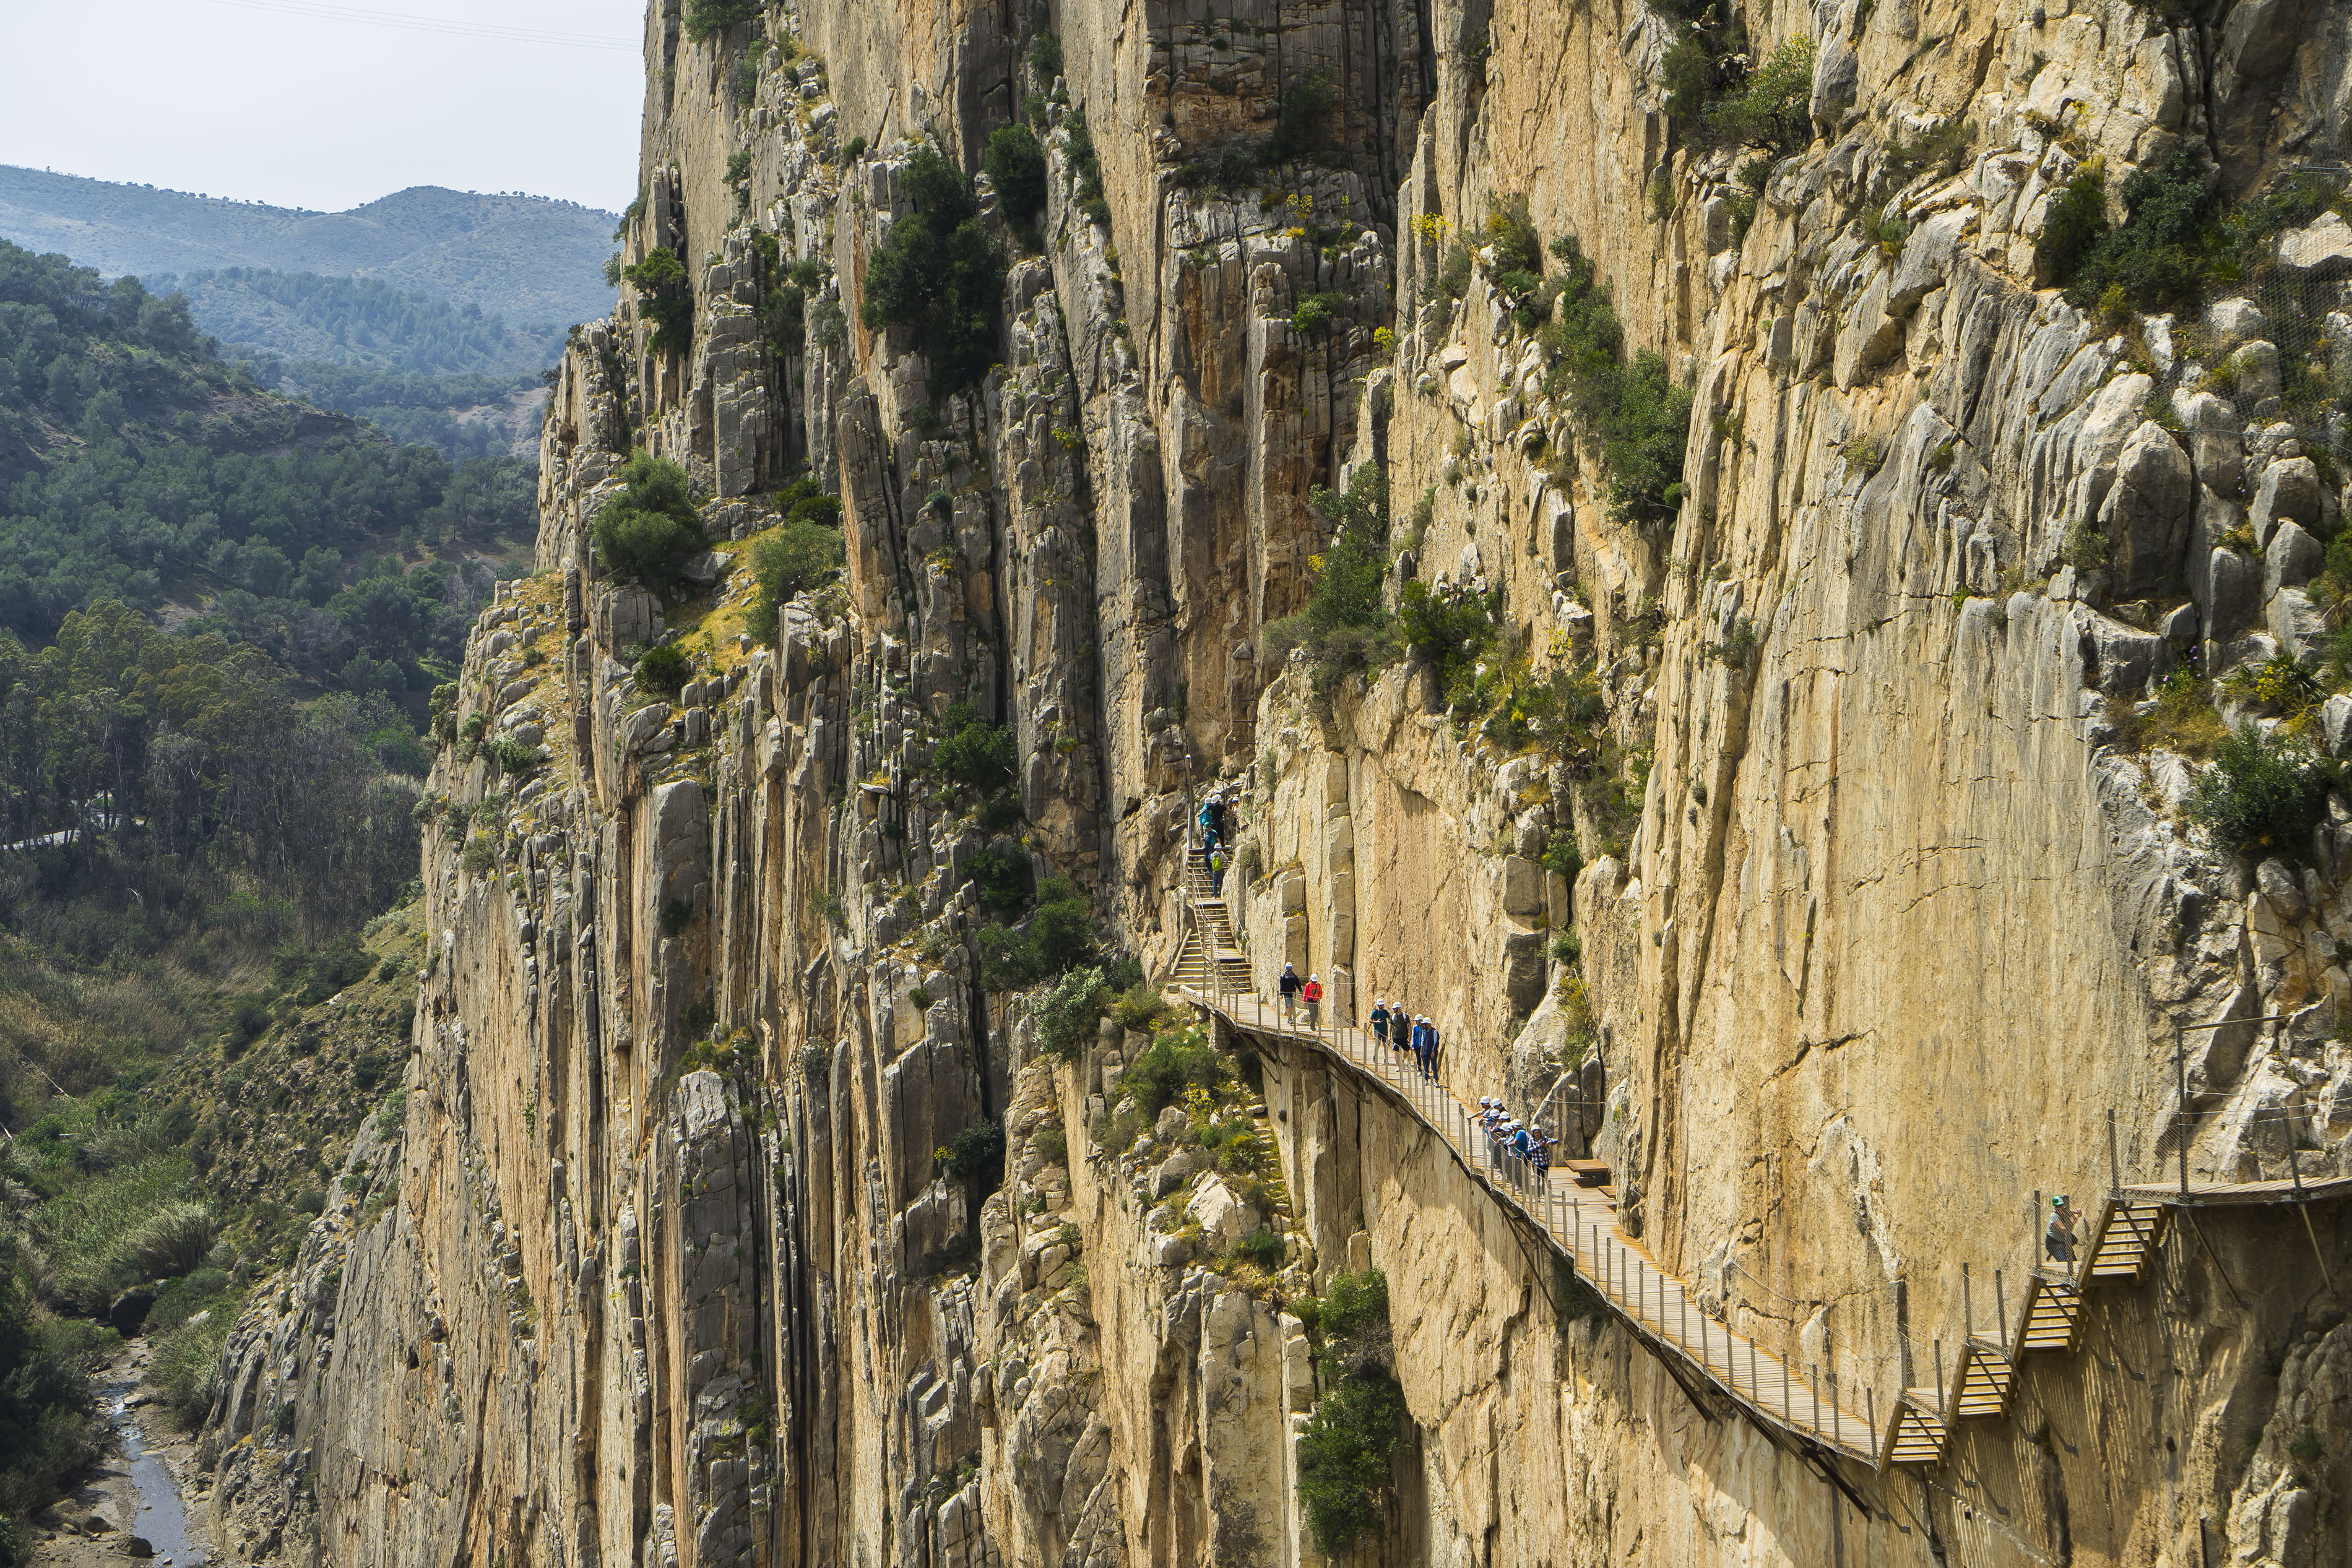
[[534, 261]]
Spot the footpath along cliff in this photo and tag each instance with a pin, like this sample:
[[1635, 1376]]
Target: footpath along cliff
[[1715, 552]]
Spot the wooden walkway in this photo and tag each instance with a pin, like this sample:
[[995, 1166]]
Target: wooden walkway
[[1581, 1224], [1575, 1212], [2229, 1195]]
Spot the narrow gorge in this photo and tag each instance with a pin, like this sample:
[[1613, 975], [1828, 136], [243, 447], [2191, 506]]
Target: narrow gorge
[[1773, 571]]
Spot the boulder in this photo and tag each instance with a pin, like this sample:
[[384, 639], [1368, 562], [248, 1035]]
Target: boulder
[[1173, 1173], [2255, 370], [2292, 560], [641, 726], [2233, 594], [2121, 661], [2289, 489], [2147, 513], [2216, 445], [2234, 322], [2278, 884], [1867, 338], [1837, 79], [2322, 249], [1522, 887], [2111, 421], [2297, 623], [1926, 260], [2336, 723], [1222, 1215]]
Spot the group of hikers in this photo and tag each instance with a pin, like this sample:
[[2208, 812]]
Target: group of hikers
[[1217, 827], [1402, 1032], [1519, 1151]]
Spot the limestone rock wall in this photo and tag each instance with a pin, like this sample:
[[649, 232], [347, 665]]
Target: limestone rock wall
[[1849, 912]]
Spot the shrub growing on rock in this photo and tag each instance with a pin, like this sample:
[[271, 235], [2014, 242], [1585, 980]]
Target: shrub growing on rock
[[665, 298], [2157, 257], [976, 1153], [1635, 410], [1345, 1452], [1002, 876], [973, 753], [704, 17], [645, 534], [662, 670], [1065, 1015], [1774, 107], [2261, 795], [1017, 167], [1344, 626], [939, 271], [804, 555], [1058, 935]]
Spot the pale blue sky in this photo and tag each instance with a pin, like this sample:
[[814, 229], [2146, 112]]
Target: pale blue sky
[[303, 104]]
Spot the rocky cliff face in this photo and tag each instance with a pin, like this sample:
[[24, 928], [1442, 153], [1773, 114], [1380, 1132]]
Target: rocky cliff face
[[1805, 832]]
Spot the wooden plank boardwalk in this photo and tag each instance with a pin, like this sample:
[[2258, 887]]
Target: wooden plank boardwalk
[[1581, 1224], [1576, 1215]]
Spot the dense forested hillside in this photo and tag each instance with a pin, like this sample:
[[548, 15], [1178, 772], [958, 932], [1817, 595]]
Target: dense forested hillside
[[461, 417], [136, 465], [221, 616], [356, 321], [530, 260], [421, 370]]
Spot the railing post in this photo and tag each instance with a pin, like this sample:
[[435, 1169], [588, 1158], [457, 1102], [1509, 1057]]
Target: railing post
[[1870, 1414], [2181, 1078], [1943, 1406], [2000, 1312], [2115, 1165], [1967, 1309]]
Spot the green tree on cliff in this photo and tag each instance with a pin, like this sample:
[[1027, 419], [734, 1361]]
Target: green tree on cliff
[[705, 17], [665, 298], [646, 533], [939, 271]]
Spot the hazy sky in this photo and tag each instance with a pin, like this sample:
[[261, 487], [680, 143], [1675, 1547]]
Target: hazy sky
[[302, 103]]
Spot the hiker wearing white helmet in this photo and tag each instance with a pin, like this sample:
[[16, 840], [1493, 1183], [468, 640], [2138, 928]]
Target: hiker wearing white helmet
[[1379, 1022], [1313, 1001]]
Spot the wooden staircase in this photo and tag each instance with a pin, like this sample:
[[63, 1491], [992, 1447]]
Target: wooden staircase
[[1986, 1377], [1919, 1433], [2130, 1230], [2053, 1313], [2122, 1246]]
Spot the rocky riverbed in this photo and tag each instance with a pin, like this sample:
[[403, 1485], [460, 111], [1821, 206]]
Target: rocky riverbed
[[140, 1503]]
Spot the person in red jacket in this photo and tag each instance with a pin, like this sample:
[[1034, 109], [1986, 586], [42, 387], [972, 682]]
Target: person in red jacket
[[1313, 1001]]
